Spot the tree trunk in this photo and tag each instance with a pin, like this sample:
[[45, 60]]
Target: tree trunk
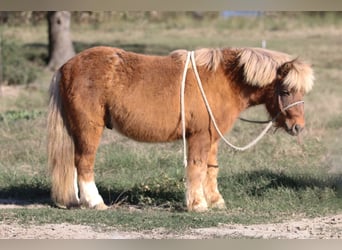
[[1, 65], [60, 45]]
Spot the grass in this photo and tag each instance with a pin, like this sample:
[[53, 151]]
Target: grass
[[276, 180]]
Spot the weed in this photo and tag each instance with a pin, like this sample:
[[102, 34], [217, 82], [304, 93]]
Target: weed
[[13, 115], [17, 69]]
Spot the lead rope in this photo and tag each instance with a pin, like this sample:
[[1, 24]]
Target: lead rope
[[191, 55], [185, 161]]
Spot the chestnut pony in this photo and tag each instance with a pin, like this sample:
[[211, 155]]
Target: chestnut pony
[[139, 96]]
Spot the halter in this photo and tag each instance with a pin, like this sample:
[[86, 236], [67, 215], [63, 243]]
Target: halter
[[191, 56], [276, 116]]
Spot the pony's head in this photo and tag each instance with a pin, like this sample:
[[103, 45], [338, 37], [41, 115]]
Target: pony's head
[[287, 107], [285, 80]]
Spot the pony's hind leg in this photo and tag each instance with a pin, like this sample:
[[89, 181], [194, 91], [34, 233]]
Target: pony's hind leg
[[86, 146], [212, 194]]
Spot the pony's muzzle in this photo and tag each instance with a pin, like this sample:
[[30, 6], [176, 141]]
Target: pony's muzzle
[[295, 130]]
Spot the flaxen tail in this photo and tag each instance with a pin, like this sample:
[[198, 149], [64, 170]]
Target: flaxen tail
[[61, 151]]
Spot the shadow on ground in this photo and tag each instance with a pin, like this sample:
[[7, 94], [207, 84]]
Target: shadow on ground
[[170, 195], [261, 181]]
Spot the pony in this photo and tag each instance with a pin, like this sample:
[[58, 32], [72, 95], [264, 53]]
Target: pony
[[139, 96]]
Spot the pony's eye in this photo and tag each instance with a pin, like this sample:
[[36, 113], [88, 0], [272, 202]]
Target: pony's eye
[[284, 93]]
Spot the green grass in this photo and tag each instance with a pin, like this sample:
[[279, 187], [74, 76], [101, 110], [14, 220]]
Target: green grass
[[276, 180]]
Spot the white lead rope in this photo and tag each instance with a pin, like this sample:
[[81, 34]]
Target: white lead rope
[[185, 161], [191, 56]]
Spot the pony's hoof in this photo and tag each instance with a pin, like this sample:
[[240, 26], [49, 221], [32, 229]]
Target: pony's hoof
[[201, 207], [220, 205], [101, 206]]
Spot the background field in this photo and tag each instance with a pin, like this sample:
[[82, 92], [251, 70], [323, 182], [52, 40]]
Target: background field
[[276, 180]]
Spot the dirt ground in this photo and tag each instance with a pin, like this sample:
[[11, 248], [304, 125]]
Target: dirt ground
[[329, 227]]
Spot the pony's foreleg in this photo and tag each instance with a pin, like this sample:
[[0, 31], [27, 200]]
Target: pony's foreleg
[[212, 194], [196, 173], [86, 148]]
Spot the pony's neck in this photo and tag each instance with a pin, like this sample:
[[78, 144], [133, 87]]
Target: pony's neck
[[248, 95], [260, 96], [252, 95]]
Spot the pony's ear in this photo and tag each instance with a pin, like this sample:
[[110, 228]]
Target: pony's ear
[[284, 69]]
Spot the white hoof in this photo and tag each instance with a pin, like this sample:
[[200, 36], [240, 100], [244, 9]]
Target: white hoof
[[89, 196]]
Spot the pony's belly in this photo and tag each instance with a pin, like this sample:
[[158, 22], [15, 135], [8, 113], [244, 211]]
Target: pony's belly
[[143, 131], [143, 135]]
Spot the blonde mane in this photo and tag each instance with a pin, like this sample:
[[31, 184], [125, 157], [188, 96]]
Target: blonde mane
[[208, 58], [260, 68]]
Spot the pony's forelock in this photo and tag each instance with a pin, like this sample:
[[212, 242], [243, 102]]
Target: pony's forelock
[[300, 77]]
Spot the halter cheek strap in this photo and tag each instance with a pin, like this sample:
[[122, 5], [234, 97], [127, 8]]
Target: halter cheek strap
[[281, 105]]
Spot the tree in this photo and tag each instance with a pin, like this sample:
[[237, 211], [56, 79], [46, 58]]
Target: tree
[[1, 68], [61, 48]]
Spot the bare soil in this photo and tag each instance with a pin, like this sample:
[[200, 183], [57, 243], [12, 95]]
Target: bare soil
[[328, 227]]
